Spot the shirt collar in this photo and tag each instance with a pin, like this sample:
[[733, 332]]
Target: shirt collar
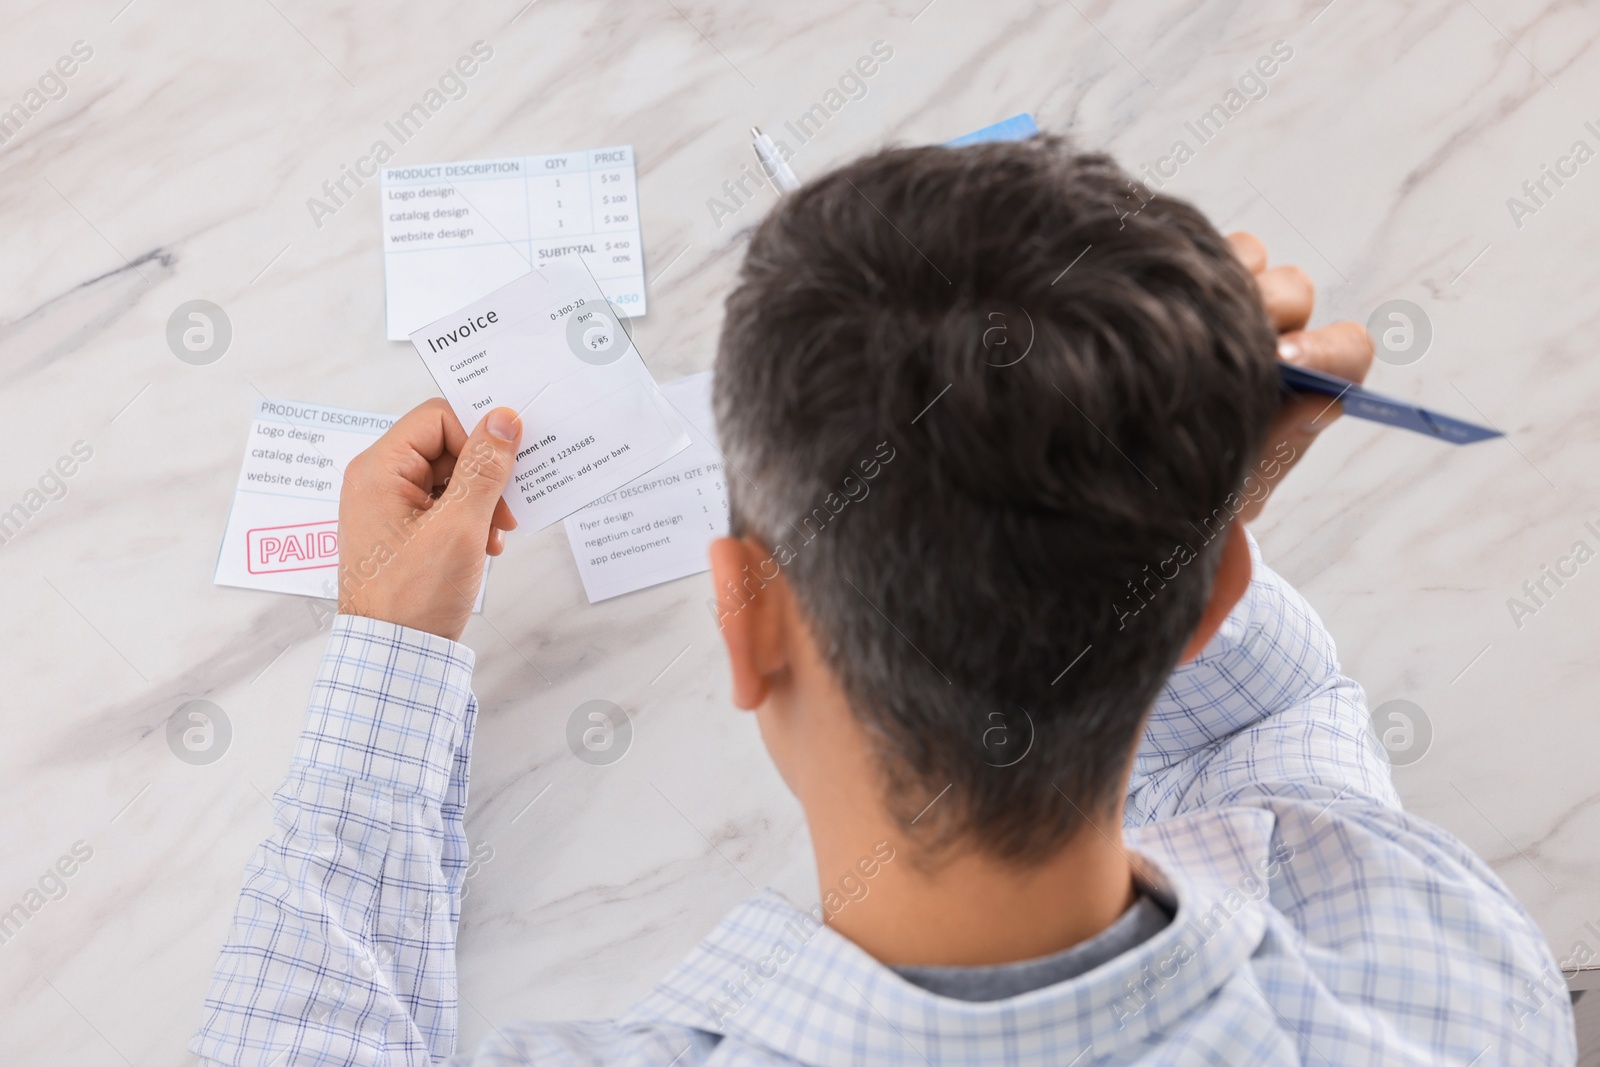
[[771, 976]]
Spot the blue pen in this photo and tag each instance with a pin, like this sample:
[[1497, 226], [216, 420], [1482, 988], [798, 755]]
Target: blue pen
[[1375, 407]]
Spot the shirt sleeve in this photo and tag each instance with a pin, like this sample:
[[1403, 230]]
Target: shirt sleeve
[[1264, 709], [1394, 919], [342, 946]]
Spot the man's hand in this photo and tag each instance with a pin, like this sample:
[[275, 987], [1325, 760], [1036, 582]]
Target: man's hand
[[1343, 350], [419, 511]]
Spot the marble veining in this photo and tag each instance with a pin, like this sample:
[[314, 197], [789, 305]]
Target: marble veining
[[178, 165]]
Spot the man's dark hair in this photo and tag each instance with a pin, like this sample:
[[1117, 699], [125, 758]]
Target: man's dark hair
[[974, 400]]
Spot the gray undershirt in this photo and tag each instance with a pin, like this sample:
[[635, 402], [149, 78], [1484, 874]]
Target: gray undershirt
[[1146, 918]]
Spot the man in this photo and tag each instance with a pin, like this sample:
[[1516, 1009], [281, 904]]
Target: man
[[995, 419]]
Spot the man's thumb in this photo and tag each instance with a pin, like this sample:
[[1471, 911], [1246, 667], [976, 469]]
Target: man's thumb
[[485, 465]]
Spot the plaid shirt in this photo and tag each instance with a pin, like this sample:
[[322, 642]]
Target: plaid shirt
[[1316, 923]]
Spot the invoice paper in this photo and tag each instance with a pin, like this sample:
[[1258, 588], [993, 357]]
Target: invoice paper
[[453, 232], [283, 531], [661, 526], [550, 347]]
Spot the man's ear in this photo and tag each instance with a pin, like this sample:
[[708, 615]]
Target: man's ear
[[1233, 578], [752, 599]]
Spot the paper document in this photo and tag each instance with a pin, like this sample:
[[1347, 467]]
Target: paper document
[[550, 347], [283, 531], [661, 526], [453, 232]]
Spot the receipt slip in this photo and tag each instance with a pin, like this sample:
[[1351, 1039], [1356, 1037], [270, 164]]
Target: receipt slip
[[550, 347], [661, 526], [283, 532]]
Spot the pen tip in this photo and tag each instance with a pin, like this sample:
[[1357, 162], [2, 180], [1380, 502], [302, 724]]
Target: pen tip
[[755, 131]]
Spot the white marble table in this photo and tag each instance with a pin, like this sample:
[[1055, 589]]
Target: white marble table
[[178, 165]]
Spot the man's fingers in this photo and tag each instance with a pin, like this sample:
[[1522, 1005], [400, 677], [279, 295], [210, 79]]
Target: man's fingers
[[423, 438], [1251, 252], [483, 469], [411, 449], [502, 518], [1343, 350], [442, 467], [430, 429], [1288, 294]]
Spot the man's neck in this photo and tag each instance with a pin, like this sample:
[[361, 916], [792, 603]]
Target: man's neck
[[974, 910]]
